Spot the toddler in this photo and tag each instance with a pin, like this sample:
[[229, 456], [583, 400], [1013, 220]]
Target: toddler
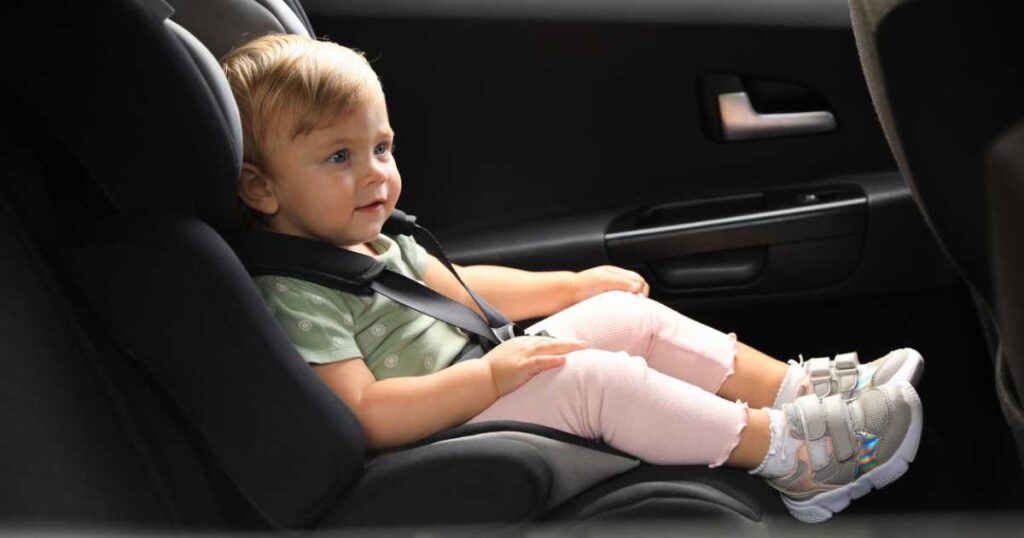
[[319, 163]]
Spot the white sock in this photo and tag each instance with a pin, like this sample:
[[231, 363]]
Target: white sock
[[787, 390], [781, 456]]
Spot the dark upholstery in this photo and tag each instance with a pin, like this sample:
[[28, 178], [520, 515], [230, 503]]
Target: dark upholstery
[[88, 439], [116, 98], [203, 333], [946, 78], [1005, 188], [66, 456]]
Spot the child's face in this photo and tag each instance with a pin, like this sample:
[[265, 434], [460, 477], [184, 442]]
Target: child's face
[[338, 183]]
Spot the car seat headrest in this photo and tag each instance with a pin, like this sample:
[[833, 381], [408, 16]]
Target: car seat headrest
[[211, 73], [222, 25], [134, 102]]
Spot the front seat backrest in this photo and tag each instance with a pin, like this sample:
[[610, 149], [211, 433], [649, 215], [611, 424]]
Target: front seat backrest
[[945, 79]]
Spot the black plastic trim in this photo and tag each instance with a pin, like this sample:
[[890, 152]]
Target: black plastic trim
[[788, 225]]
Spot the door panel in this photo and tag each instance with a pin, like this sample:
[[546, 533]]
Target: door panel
[[550, 134], [554, 134]]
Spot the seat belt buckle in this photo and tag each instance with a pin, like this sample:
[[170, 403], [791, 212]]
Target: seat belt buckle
[[507, 332]]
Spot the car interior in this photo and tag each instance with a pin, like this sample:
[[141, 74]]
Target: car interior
[[817, 176]]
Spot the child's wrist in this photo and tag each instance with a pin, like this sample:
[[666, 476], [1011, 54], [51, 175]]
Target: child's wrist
[[488, 371], [571, 285]]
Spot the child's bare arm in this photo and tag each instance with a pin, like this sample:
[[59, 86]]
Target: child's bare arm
[[530, 294], [397, 411], [517, 294]]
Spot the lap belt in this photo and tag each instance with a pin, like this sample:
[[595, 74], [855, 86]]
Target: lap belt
[[269, 253]]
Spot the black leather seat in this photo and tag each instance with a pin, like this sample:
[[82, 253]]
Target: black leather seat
[[123, 151]]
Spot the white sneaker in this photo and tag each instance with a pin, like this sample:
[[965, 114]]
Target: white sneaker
[[835, 450], [845, 375]]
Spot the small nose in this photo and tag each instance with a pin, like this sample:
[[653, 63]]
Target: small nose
[[377, 172]]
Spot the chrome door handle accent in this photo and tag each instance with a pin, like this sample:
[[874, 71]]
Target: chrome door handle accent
[[741, 122]]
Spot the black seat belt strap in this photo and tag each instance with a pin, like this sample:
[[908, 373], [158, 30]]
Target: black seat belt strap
[[408, 292], [266, 253], [401, 222]]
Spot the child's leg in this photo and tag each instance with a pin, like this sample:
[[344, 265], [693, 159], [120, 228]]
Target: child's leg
[[756, 377], [820, 453], [616, 398], [672, 344]]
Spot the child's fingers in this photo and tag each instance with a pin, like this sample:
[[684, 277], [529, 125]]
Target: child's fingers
[[540, 363], [557, 346], [626, 280]]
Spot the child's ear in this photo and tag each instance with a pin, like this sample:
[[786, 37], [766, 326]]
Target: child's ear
[[257, 190]]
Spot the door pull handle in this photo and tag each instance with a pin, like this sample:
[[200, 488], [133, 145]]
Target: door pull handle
[[741, 122]]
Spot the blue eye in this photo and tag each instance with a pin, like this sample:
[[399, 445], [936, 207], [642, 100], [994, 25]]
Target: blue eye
[[338, 157], [380, 149]]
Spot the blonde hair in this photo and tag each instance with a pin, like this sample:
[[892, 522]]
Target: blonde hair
[[297, 79]]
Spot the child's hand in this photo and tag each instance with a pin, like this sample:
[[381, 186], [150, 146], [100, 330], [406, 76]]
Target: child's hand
[[515, 361], [607, 278]]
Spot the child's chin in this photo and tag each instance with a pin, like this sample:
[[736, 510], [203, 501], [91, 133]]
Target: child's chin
[[368, 235]]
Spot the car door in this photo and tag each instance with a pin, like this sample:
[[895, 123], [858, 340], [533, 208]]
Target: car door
[[726, 150]]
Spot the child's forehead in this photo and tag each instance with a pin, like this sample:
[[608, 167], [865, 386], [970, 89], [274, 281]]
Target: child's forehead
[[363, 118], [367, 100], [299, 118]]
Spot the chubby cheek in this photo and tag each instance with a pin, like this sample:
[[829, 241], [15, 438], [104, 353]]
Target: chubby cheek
[[394, 190]]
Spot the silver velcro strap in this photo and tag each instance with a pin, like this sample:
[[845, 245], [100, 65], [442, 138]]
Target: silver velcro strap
[[813, 415], [818, 370], [846, 371], [839, 427], [847, 361]]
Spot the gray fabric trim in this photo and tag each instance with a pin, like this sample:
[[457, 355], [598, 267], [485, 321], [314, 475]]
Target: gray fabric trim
[[288, 19], [215, 80], [574, 469], [865, 16], [297, 8], [706, 500], [160, 8], [222, 25]]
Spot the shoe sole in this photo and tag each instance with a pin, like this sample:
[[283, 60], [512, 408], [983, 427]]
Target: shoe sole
[[822, 506]]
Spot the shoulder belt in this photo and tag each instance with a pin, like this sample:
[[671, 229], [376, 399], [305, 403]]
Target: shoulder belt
[[268, 253]]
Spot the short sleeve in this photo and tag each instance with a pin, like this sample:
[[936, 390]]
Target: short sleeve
[[415, 255], [319, 325]]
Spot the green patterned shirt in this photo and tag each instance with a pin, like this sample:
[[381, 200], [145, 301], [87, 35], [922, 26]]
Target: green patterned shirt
[[328, 325]]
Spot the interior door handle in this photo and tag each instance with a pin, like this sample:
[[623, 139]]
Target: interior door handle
[[741, 122]]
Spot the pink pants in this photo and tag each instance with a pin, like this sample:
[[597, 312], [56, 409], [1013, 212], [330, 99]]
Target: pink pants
[[646, 386]]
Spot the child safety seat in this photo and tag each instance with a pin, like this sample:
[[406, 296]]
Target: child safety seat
[[139, 147]]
